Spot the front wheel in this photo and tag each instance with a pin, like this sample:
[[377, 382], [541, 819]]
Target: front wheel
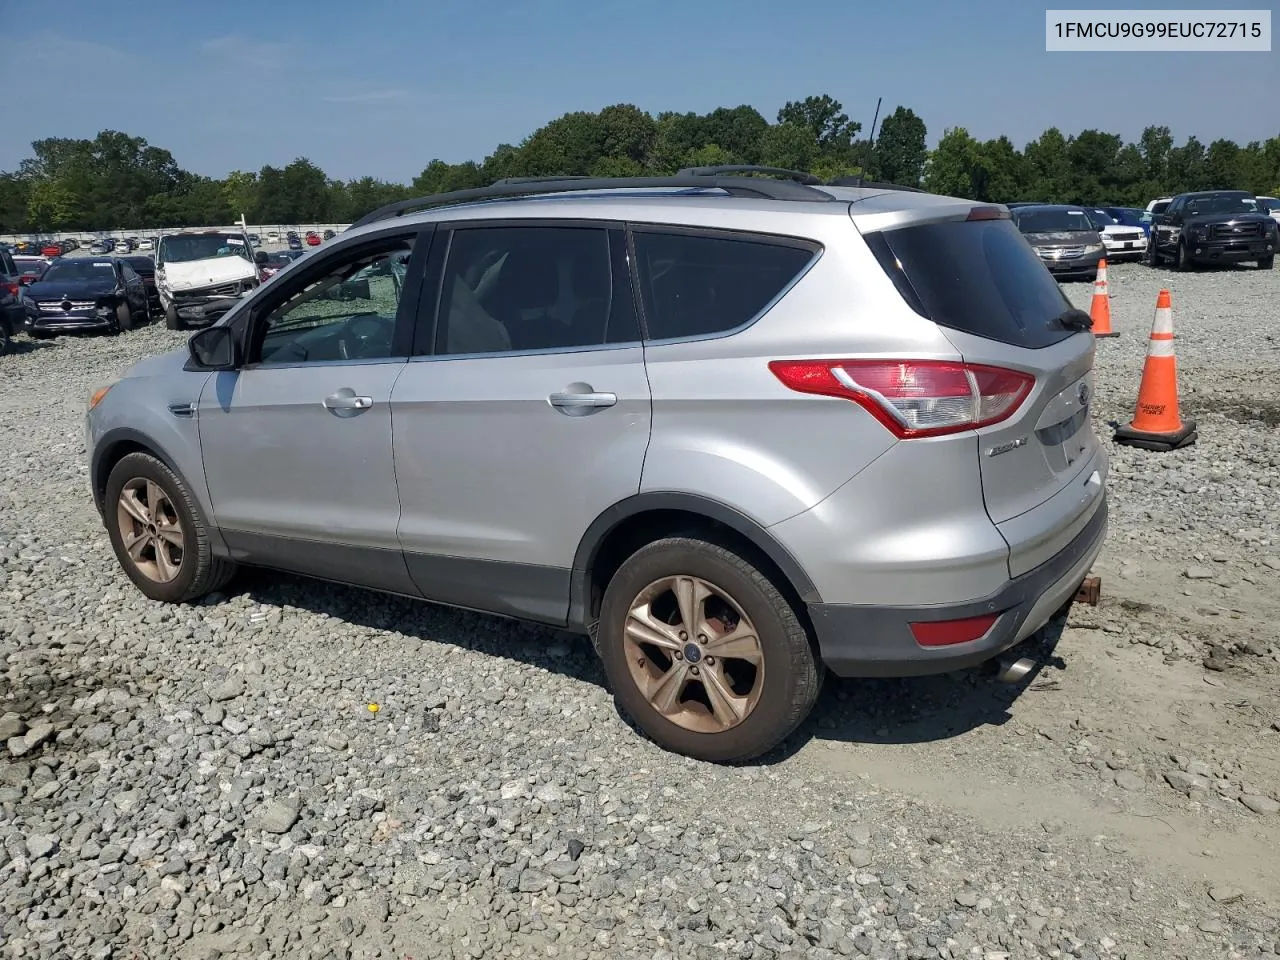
[[1267, 263], [158, 532], [1153, 255], [124, 318], [171, 318], [6, 341], [1182, 261], [704, 653]]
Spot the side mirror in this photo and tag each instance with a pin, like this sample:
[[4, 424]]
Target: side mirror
[[260, 257], [215, 348]]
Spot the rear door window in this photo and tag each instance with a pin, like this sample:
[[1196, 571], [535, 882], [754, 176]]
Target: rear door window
[[696, 285], [979, 277]]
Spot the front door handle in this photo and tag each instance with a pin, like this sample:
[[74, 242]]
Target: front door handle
[[345, 401], [579, 400]]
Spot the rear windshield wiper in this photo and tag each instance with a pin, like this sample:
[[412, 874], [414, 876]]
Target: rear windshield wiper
[[1073, 319]]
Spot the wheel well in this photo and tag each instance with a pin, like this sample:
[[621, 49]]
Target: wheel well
[[108, 460], [643, 528]]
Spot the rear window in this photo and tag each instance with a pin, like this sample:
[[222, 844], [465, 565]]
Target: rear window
[[979, 277], [698, 286], [1055, 221]]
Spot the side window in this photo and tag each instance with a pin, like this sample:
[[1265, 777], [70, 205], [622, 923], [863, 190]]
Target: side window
[[531, 288], [703, 285], [348, 313], [127, 272]]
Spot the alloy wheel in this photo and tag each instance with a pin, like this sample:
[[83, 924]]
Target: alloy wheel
[[694, 654], [151, 530]]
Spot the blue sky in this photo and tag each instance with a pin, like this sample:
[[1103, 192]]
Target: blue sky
[[380, 87]]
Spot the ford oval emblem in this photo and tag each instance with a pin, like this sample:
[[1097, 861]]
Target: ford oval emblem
[[1084, 394]]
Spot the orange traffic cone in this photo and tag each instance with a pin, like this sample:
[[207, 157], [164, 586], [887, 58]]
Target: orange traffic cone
[[1100, 308], [1157, 424]]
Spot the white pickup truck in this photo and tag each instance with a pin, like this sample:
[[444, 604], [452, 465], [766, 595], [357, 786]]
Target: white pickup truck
[[199, 271]]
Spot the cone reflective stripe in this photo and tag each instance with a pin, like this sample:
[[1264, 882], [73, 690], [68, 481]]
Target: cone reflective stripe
[[1100, 307], [1157, 424]]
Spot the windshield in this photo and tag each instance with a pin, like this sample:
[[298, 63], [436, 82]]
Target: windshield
[[77, 270], [1052, 221], [1126, 215], [184, 247], [1221, 204]]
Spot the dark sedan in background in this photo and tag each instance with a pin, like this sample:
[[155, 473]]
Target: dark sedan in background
[[85, 293], [279, 260], [1064, 238]]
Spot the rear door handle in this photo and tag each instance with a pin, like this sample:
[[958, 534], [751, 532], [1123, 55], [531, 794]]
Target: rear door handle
[[346, 401], [573, 402]]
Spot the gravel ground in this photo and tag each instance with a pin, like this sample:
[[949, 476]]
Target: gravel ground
[[211, 780]]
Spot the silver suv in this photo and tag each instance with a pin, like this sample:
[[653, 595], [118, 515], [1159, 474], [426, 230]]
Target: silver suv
[[740, 430]]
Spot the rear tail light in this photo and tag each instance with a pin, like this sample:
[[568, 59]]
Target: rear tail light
[[13, 288], [914, 398], [944, 633]]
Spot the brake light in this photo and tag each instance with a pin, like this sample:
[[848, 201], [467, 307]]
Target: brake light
[[989, 213], [944, 633], [914, 398], [12, 288]]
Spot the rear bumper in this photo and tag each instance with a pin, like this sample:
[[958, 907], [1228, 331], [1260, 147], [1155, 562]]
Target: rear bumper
[[876, 641]]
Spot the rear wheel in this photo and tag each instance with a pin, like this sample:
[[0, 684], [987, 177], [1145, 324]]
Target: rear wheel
[[5, 340], [158, 533], [704, 653], [171, 318]]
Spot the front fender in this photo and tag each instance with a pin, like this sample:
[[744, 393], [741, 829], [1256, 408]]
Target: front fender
[[157, 416]]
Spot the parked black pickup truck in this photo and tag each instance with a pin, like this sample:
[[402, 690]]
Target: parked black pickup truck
[[1213, 226]]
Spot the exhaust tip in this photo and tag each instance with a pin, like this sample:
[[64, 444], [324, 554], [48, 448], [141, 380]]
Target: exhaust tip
[[1014, 671]]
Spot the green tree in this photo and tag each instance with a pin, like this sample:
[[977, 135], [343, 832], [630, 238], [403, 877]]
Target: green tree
[[1051, 172], [952, 164], [824, 118], [900, 149], [790, 146]]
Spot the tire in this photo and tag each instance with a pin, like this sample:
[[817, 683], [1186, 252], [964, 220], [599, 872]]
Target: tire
[[1153, 255], [1267, 263], [1180, 261], [171, 318], [5, 340], [774, 700], [124, 318], [179, 577]]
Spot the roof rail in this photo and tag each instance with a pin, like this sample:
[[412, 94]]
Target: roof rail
[[758, 187], [871, 184], [536, 179], [797, 175]]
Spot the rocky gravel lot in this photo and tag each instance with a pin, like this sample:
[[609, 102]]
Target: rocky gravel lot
[[212, 781]]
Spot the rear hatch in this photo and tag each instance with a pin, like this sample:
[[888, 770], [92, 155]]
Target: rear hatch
[[1042, 469]]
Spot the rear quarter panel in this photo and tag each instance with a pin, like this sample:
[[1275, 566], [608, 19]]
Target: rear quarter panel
[[725, 428]]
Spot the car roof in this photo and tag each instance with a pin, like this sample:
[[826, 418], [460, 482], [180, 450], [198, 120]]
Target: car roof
[[1217, 193], [872, 207]]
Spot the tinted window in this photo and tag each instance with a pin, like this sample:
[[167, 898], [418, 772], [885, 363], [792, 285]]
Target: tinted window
[[979, 277], [531, 288], [1052, 221], [349, 313], [699, 285], [75, 270], [1221, 205]]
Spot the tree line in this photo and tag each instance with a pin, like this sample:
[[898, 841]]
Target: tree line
[[120, 181]]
